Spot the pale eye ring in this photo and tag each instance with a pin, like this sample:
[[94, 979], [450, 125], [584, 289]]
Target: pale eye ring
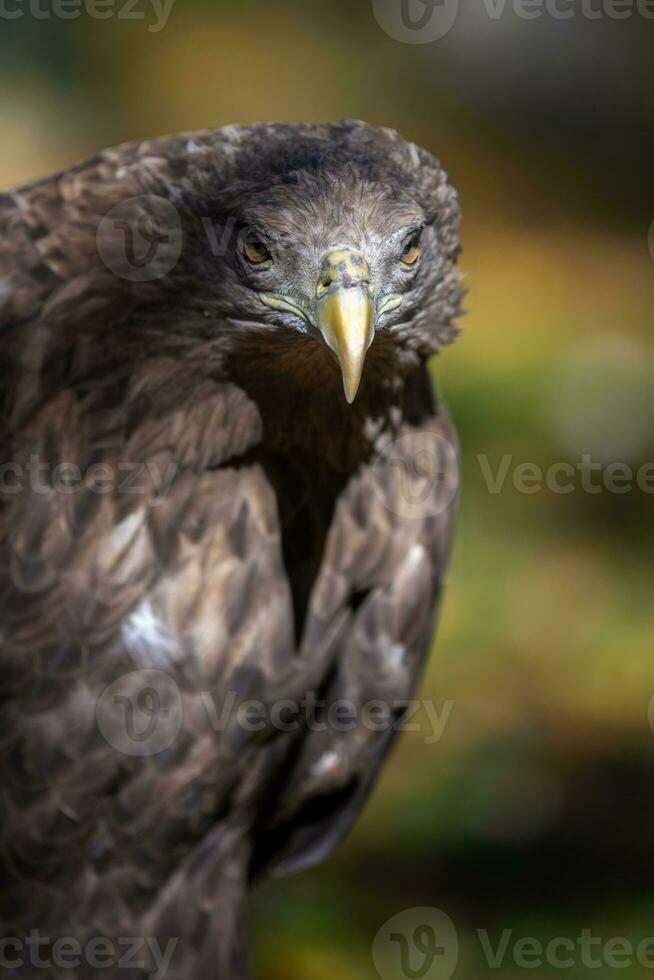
[[411, 251], [256, 252]]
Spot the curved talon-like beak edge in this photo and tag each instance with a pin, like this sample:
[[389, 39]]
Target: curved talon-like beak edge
[[345, 318]]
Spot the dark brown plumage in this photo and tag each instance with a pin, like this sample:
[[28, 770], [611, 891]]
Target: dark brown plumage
[[263, 549]]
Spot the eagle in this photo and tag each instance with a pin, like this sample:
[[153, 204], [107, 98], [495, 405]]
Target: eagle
[[226, 507]]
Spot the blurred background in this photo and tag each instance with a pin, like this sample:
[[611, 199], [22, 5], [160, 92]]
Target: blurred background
[[534, 810]]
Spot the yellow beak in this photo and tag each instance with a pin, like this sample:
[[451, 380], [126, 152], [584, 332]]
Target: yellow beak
[[345, 315], [345, 319]]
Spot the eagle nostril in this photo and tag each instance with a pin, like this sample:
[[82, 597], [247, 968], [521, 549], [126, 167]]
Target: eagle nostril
[[343, 267]]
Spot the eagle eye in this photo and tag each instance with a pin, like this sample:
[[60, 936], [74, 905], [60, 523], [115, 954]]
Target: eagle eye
[[411, 251], [256, 252]]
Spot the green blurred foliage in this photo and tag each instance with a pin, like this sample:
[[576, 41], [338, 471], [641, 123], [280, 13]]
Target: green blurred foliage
[[533, 810]]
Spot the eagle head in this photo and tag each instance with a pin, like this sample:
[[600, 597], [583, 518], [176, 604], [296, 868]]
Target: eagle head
[[341, 235], [310, 260]]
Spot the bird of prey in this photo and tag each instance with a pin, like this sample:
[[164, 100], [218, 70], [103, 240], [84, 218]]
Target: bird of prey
[[225, 516]]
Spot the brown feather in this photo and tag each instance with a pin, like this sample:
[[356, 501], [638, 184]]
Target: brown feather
[[260, 553]]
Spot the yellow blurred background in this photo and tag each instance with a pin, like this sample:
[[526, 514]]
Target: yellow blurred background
[[533, 811]]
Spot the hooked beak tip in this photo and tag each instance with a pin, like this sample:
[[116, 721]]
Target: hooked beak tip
[[346, 322], [350, 390]]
